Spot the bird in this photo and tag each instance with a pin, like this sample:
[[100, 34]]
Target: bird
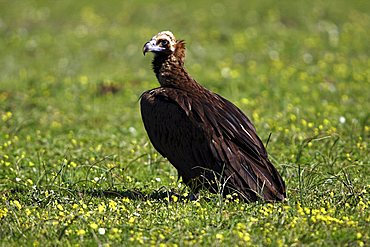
[[210, 141]]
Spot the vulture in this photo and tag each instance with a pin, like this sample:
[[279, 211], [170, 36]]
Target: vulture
[[211, 142]]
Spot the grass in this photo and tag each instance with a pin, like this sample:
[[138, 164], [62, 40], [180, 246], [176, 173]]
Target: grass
[[76, 167]]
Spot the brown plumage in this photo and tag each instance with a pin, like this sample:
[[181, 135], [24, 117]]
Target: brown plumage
[[209, 141]]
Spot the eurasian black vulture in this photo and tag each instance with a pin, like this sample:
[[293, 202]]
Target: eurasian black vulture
[[210, 141]]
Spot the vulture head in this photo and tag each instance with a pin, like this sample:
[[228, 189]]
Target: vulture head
[[164, 44]]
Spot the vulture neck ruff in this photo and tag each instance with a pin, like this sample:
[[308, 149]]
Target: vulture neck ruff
[[169, 69]]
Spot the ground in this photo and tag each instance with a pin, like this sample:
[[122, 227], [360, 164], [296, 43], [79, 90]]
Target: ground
[[76, 166]]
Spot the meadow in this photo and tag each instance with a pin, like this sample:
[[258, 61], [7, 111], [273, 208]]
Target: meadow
[[77, 168]]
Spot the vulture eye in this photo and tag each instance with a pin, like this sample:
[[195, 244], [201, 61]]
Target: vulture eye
[[163, 42]]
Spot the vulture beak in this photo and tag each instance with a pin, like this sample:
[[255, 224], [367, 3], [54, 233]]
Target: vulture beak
[[146, 48], [152, 47]]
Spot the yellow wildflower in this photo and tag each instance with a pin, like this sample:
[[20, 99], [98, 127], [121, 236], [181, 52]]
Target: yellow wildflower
[[131, 220], [17, 204], [3, 212], [93, 225], [81, 232], [28, 212], [113, 205], [174, 198], [219, 236], [101, 207]]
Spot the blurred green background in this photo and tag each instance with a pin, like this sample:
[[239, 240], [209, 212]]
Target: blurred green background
[[58, 53]]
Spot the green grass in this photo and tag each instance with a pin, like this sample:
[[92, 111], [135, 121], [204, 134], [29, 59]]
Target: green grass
[[76, 167]]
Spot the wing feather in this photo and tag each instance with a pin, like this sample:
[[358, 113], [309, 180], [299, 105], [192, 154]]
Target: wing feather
[[165, 113], [191, 132], [242, 150]]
